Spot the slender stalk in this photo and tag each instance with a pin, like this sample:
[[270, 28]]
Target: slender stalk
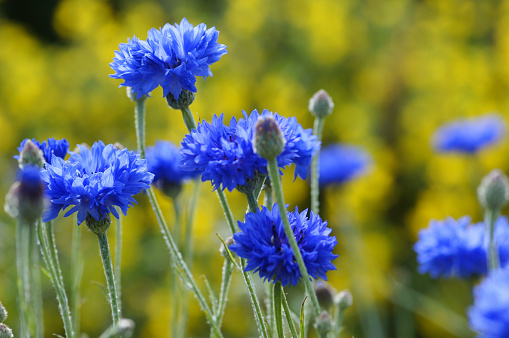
[[77, 266], [268, 201], [55, 279], [188, 119], [339, 313], [317, 131], [288, 314], [490, 220], [118, 259], [139, 117], [252, 202], [276, 304], [22, 263], [35, 282], [175, 301], [223, 294], [104, 250], [227, 211]]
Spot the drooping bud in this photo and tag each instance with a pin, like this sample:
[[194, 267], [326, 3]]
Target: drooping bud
[[269, 140], [229, 241], [321, 104], [344, 300], [98, 226], [5, 331], [3, 313], [31, 155], [185, 99], [493, 192], [325, 293], [25, 199], [323, 323]]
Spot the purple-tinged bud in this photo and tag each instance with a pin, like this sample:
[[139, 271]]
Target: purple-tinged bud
[[3, 313], [323, 323], [5, 331], [31, 154], [325, 293], [269, 140], [185, 99], [229, 241], [25, 199], [493, 192], [321, 104]]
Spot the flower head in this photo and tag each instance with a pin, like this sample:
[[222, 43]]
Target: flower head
[[452, 248], [49, 147], [163, 161], [171, 57], [25, 199], [469, 135], [263, 242], [226, 156], [488, 315], [340, 163], [94, 181]]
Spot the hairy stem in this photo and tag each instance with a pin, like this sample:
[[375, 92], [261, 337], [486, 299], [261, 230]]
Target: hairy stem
[[104, 250]]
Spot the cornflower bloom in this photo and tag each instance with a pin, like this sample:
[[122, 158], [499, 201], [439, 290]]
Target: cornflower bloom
[[340, 163], [171, 57], [225, 154], [263, 242], [94, 181], [49, 147], [469, 135]]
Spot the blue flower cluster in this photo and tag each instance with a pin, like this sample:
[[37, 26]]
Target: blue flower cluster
[[469, 135], [263, 242], [452, 248], [225, 154], [50, 147], [488, 315], [171, 57], [340, 163], [163, 161], [94, 181]]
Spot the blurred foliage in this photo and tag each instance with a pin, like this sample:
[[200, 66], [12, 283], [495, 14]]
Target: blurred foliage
[[395, 69]]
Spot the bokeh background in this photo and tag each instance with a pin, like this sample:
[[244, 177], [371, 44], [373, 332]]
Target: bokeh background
[[396, 70]]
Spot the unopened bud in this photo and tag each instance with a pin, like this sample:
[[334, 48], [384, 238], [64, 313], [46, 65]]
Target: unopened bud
[[31, 154], [343, 300], [98, 226], [493, 192], [321, 104], [325, 293], [5, 331], [269, 140], [229, 241], [323, 323], [25, 199], [185, 99], [3, 313]]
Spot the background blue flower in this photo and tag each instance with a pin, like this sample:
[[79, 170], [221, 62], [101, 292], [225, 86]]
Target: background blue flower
[[49, 147], [171, 57], [469, 135], [94, 181], [263, 242], [488, 315], [339, 163], [225, 153]]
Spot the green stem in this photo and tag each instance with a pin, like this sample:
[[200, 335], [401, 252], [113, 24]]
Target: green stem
[[227, 211], [268, 199], [139, 117], [53, 251], [63, 304], [276, 308], [288, 314], [175, 303], [118, 258], [491, 217], [225, 285], [188, 119], [317, 131], [339, 314], [35, 281], [278, 191], [104, 250], [77, 266], [22, 262], [252, 202]]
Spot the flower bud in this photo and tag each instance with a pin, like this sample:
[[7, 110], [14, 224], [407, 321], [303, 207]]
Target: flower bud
[[3, 313], [31, 155], [269, 140], [323, 323], [229, 241], [25, 199], [185, 99], [321, 104], [493, 192], [5, 331], [98, 226], [343, 300], [325, 293]]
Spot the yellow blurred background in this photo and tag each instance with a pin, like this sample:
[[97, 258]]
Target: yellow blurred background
[[396, 70]]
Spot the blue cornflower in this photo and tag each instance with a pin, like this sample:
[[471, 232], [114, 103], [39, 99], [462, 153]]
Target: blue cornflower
[[25, 199], [451, 248], [94, 181], [469, 135], [339, 163], [488, 315], [263, 242], [225, 153], [163, 161], [49, 147], [171, 57]]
